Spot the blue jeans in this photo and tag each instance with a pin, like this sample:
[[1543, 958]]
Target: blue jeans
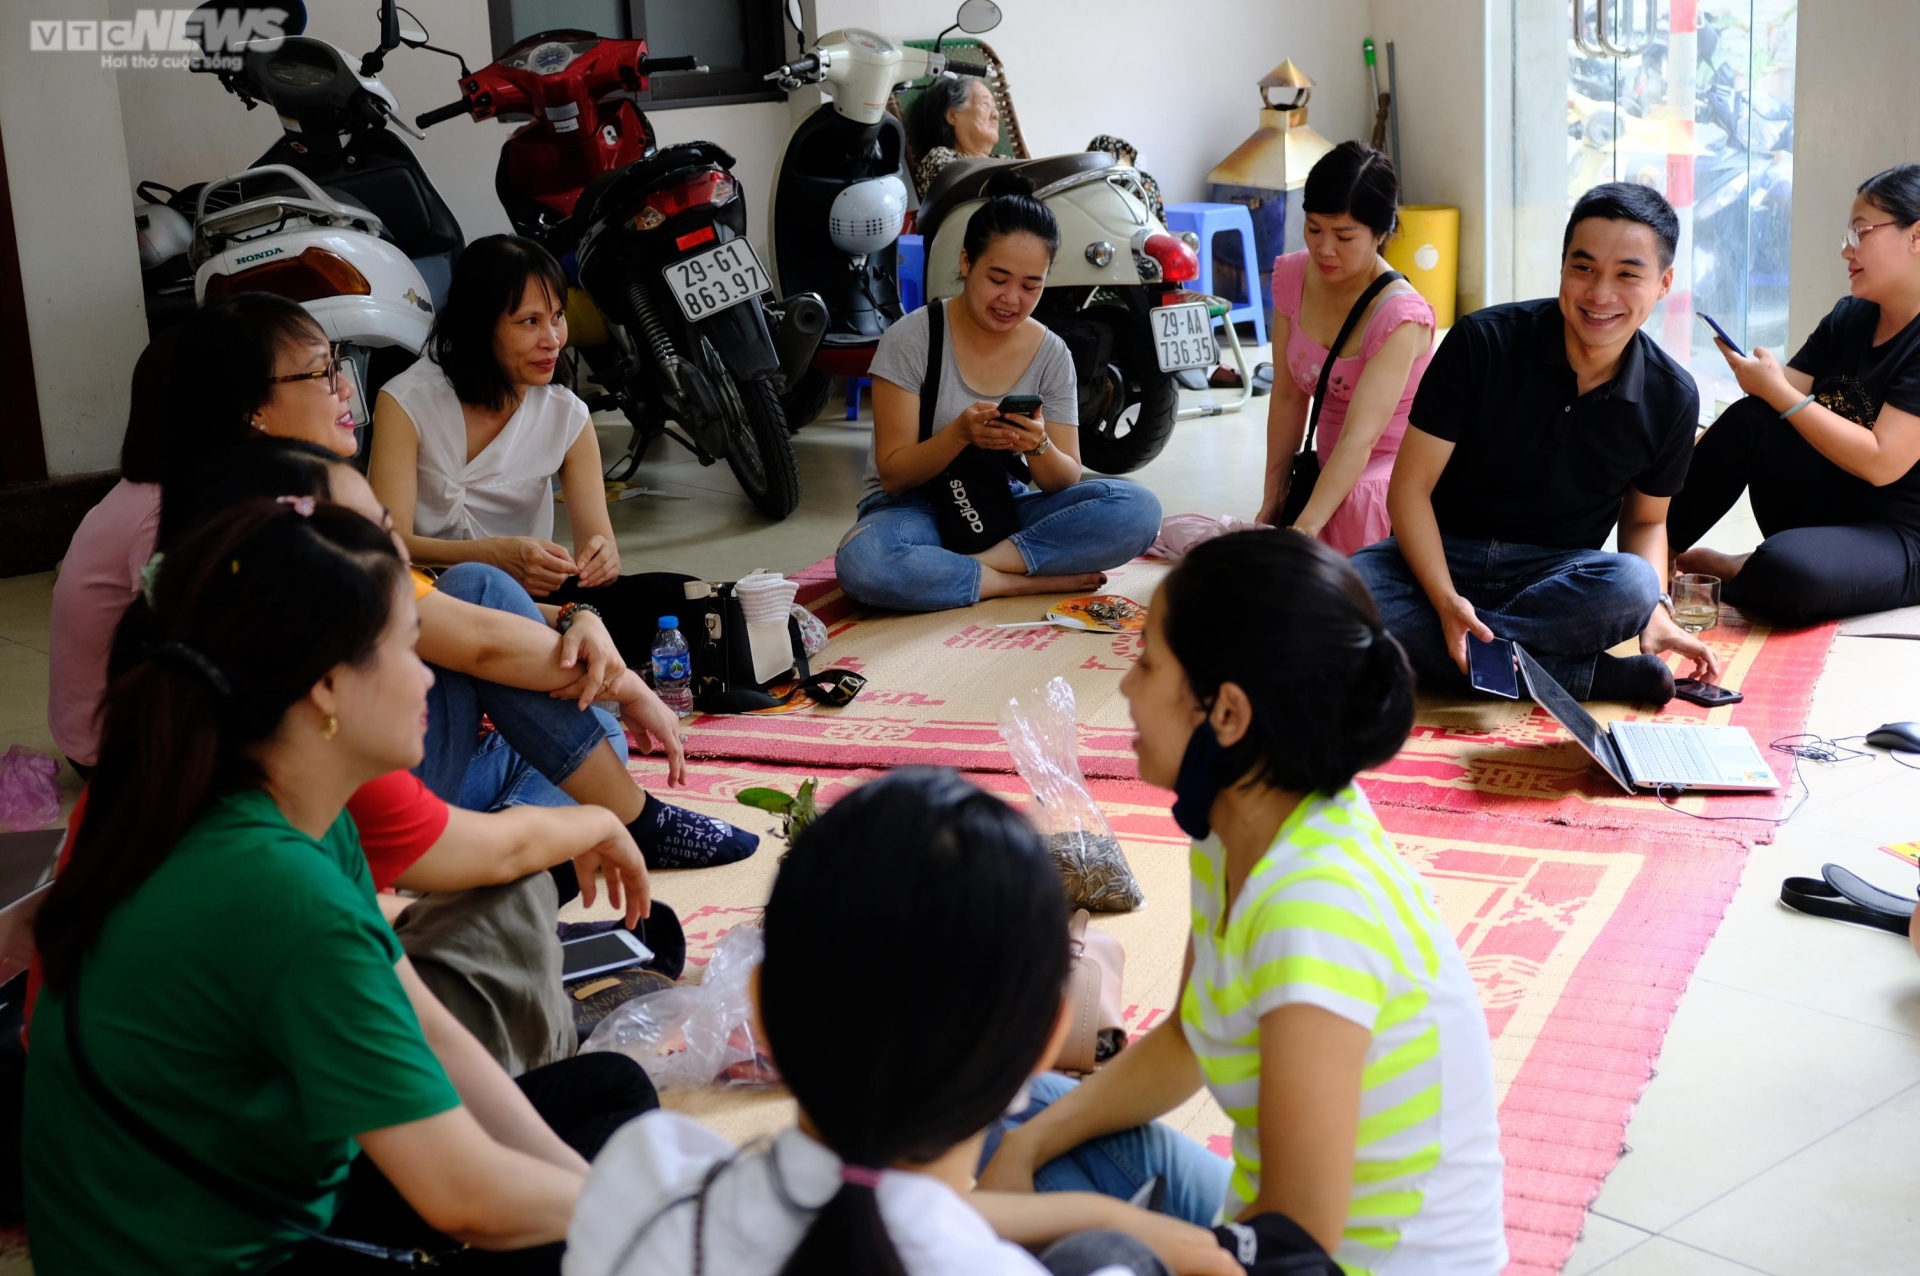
[[539, 741], [1565, 606], [1119, 1165], [893, 557]]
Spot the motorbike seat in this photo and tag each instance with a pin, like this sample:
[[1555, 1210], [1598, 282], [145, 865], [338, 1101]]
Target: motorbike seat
[[965, 180]]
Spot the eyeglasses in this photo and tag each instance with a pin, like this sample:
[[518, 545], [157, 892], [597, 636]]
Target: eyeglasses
[[331, 372], [1855, 233]]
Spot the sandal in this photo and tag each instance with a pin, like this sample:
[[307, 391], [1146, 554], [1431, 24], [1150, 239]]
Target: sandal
[[1845, 896]]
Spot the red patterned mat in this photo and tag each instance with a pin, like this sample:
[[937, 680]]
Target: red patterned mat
[[1581, 941]]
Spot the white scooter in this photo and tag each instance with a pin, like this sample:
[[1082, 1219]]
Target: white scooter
[[1114, 294], [338, 215]]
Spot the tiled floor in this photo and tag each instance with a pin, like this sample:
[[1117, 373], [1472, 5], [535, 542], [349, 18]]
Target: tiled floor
[[1785, 1120]]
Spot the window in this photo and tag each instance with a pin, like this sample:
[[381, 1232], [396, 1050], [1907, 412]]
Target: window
[[737, 40]]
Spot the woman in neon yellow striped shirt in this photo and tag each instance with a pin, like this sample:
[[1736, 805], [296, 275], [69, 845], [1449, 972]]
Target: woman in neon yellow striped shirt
[[1325, 1004]]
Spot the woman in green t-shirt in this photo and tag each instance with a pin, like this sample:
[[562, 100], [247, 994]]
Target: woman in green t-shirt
[[227, 1019]]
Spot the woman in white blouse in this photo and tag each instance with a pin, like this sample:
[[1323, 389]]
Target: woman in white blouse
[[467, 443]]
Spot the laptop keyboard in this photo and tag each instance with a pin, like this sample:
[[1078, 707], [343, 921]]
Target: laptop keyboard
[[1659, 756]]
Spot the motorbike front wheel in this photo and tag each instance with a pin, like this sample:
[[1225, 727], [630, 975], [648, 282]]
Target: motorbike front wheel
[[759, 449]]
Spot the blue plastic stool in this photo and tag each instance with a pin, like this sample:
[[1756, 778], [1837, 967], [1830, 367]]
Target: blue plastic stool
[[854, 386], [1211, 220], [912, 272]]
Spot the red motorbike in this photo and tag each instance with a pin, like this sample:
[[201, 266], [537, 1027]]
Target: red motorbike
[[672, 324]]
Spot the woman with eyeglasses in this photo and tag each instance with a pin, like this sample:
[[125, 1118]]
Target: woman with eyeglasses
[[256, 365], [1828, 446]]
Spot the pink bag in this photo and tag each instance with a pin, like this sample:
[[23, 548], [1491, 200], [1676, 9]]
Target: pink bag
[[1179, 533], [29, 797]]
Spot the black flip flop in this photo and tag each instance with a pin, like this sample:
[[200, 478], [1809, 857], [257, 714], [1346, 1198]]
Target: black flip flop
[[1845, 896]]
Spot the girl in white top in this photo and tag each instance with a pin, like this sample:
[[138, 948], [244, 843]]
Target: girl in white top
[[467, 441], [916, 957], [1325, 1004]]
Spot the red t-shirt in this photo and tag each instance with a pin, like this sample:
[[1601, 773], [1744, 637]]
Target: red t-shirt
[[399, 820]]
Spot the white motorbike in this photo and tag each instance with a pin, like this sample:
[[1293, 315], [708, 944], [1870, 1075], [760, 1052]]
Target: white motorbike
[[306, 221], [1115, 293]]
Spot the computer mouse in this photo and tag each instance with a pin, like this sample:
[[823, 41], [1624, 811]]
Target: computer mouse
[[1903, 736]]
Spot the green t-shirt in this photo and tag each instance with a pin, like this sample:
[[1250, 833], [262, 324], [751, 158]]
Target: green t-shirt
[[244, 1002]]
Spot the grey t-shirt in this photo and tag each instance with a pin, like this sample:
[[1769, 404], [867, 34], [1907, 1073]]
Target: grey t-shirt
[[902, 359]]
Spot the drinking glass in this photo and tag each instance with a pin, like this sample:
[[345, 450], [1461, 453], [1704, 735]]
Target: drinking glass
[[1696, 602]]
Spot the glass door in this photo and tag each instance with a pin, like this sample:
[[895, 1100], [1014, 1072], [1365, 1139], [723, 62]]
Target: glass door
[[1691, 97]]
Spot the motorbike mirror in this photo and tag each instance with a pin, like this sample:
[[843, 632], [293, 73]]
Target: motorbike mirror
[[414, 34], [977, 17]]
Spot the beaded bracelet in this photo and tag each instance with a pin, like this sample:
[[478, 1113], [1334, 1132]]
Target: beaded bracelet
[[1796, 407], [569, 611]]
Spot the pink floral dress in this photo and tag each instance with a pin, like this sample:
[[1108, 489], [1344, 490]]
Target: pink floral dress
[[1362, 518]]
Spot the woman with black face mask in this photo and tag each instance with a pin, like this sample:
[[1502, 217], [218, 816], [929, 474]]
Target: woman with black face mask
[[1325, 1005]]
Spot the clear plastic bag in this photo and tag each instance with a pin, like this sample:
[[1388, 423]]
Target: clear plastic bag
[[696, 1035], [29, 794], [1043, 737]]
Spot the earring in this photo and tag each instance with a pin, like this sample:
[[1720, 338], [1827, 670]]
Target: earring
[[259, 425], [330, 728]]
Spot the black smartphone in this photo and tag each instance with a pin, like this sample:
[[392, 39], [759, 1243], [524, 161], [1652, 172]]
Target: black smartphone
[[1490, 668], [1020, 404], [1694, 691], [1721, 333]]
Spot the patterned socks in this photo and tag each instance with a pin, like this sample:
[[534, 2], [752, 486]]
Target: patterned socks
[[674, 837]]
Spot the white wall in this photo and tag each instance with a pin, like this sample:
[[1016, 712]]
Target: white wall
[[79, 266], [1852, 118], [1446, 153]]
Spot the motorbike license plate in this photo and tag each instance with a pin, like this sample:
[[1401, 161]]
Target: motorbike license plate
[[720, 277], [1183, 336]]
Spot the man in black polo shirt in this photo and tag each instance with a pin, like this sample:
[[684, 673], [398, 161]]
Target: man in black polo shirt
[[1538, 425]]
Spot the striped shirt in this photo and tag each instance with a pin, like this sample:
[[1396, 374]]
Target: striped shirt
[[1332, 917]]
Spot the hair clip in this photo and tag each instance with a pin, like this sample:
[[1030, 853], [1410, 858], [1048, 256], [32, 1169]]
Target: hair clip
[[149, 574], [302, 505]]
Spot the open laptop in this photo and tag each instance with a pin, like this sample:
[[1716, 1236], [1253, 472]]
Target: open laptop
[[1653, 755]]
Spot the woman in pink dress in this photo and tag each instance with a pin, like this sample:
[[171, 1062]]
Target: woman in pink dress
[[1350, 204]]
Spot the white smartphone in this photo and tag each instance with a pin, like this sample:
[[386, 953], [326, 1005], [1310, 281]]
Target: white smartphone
[[597, 954]]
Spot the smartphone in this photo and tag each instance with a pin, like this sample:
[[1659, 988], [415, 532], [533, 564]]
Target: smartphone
[[596, 954], [1721, 333], [1490, 668], [1020, 405], [1694, 691]]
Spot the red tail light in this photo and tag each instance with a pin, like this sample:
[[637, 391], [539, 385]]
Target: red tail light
[[314, 274], [1178, 263], [710, 187]]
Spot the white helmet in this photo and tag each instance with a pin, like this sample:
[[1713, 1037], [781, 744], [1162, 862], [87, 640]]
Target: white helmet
[[164, 233], [867, 216]]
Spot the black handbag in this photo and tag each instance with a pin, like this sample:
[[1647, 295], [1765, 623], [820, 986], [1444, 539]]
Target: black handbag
[[1305, 471], [730, 657], [972, 503]]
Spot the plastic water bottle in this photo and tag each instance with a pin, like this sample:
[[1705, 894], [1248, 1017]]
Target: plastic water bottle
[[673, 667]]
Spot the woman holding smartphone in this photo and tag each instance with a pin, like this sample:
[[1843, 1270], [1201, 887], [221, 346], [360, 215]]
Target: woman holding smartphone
[[1828, 446], [967, 496]]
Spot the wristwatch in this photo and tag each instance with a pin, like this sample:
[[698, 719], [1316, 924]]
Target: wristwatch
[[1044, 446], [1666, 600]]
